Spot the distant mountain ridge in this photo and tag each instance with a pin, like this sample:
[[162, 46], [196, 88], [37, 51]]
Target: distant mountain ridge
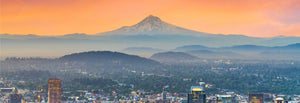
[[287, 52], [236, 47], [191, 47], [141, 49], [290, 46], [173, 57]]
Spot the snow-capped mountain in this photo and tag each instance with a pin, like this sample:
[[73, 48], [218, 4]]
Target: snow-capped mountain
[[151, 25], [150, 32]]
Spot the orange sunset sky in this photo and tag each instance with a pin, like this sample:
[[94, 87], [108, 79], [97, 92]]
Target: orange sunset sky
[[258, 18]]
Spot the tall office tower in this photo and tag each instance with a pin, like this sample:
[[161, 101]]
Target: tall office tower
[[15, 98], [54, 90], [197, 95], [256, 98], [164, 95]]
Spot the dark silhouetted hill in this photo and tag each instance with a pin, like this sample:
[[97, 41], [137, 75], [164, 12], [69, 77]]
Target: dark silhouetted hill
[[108, 57]]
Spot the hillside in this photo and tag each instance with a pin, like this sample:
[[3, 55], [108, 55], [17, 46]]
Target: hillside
[[288, 52], [141, 49], [191, 47], [173, 57], [107, 58]]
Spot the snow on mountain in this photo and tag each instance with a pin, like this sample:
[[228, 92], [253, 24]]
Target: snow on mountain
[[151, 25]]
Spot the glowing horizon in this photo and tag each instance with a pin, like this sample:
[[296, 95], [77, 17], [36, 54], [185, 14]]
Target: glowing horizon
[[256, 18]]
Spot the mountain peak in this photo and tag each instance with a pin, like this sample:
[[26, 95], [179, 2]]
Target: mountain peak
[[151, 18], [151, 25]]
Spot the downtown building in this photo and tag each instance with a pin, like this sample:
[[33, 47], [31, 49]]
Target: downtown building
[[15, 98], [197, 95], [54, 90]]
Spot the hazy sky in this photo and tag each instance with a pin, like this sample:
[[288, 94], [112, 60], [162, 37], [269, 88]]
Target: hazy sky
[[259, 18]]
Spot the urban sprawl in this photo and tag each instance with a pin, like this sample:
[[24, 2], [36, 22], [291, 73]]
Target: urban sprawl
[[54, 94]]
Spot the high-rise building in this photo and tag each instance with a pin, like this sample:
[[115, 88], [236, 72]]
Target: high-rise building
[[15, 98], [54, 90], [164, 95], [256, 98], [197, 95]]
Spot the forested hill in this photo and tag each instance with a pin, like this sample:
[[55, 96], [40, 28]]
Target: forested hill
[[108, 57]]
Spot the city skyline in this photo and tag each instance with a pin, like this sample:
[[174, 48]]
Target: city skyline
[[150, 51], [55, 17]]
